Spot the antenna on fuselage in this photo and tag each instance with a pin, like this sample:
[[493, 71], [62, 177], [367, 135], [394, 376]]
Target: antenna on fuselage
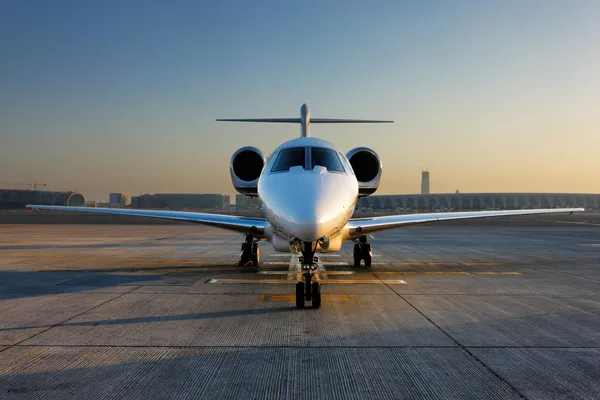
[[305, 120]]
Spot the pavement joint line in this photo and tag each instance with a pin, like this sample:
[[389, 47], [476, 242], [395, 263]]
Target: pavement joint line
[[68, 319], [303, 346], [576, 275], [465, 349]]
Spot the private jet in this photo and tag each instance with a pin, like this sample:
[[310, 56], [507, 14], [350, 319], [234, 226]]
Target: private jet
[[308, 190]]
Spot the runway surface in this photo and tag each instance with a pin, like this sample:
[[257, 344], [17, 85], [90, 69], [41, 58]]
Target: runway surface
[[445, 311]]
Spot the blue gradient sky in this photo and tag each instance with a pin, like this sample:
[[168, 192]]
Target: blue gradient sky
[[121, 96]]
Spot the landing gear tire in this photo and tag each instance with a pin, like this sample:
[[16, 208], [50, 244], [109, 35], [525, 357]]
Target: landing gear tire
[[362, 251], [357, 256], [300, 295], [316, 295], [367, 254], [256, 254], [250, 252]]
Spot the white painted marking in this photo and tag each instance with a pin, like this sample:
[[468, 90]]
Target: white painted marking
[[342, 281], [293, 268], [322, 262], [319, 272]]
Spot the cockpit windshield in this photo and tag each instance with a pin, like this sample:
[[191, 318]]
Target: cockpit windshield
[[288, 158], [327, 158]]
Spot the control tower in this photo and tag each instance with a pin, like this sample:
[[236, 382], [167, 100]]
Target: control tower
[[425, 182]]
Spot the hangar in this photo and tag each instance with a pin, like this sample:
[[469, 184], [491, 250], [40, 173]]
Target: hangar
[[14, 199]]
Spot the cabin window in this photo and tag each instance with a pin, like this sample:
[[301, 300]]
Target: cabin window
[[288, 158], [327, 158]]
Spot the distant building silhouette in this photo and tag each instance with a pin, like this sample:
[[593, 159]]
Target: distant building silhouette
[[479, 201], [182, 201], [14, 199], [424, 182]]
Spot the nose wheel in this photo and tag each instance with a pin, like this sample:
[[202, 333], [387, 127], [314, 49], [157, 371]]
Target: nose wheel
[[308, 290], [362, 251]]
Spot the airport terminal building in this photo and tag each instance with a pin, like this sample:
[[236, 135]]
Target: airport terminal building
[[479, 201]]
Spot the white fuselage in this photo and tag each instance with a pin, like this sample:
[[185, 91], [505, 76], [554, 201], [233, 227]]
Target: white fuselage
[[307, 203]]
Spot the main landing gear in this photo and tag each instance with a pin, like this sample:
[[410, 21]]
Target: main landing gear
[[250, 252], [308, 290], [362, 251]]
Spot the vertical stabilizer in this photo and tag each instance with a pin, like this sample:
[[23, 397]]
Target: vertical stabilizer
[[304, 121]]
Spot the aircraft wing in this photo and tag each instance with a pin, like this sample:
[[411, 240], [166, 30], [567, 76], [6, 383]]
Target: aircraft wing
[[363, 226], [254, 226]]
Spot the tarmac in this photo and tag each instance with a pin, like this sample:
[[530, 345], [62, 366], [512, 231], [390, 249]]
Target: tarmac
[[496, 311]]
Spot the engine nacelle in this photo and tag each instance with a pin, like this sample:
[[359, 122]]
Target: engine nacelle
[[245, 167], [367, 168]]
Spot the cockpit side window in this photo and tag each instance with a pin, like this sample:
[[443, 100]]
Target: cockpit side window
[[327, 158], [346, 163], [288, 158], [269, 163]]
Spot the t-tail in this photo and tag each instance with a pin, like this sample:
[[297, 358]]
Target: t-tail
[[305, 120]]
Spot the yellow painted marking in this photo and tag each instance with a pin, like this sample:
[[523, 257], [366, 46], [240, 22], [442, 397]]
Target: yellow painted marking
[[420, 273], [394, 272], [433, 263], [476, 264], [261, 298], [320, 262], [283, 297], [250, 281], [392, 281], [142, 270], [497, 273], [445, 273]]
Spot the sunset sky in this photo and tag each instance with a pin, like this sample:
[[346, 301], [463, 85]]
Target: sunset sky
[[121, 96]]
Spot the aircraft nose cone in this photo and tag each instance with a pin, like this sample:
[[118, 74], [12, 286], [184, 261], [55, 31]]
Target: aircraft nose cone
[[307, 205], [308, 228]]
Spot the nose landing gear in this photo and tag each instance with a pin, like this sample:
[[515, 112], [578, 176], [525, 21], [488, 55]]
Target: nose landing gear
[[250, 252], [308, 290], [362, 251]]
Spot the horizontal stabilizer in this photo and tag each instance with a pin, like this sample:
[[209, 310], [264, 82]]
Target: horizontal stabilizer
[[276, 120], [312, 120], [347, 121], [305, 120]]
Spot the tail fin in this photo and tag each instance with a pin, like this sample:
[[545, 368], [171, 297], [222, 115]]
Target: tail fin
[[305, 120]]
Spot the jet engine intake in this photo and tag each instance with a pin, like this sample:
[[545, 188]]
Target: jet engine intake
[[367, 168], [245, 167]]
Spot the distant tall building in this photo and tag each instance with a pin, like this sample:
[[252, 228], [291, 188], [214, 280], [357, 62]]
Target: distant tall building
[[424, 182], [242, 201], [225, 204], [119, 200]]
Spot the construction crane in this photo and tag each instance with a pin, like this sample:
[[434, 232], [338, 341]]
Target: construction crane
[[33, 185]]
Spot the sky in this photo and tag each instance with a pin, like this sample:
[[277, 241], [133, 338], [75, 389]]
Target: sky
[[121, 96]]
